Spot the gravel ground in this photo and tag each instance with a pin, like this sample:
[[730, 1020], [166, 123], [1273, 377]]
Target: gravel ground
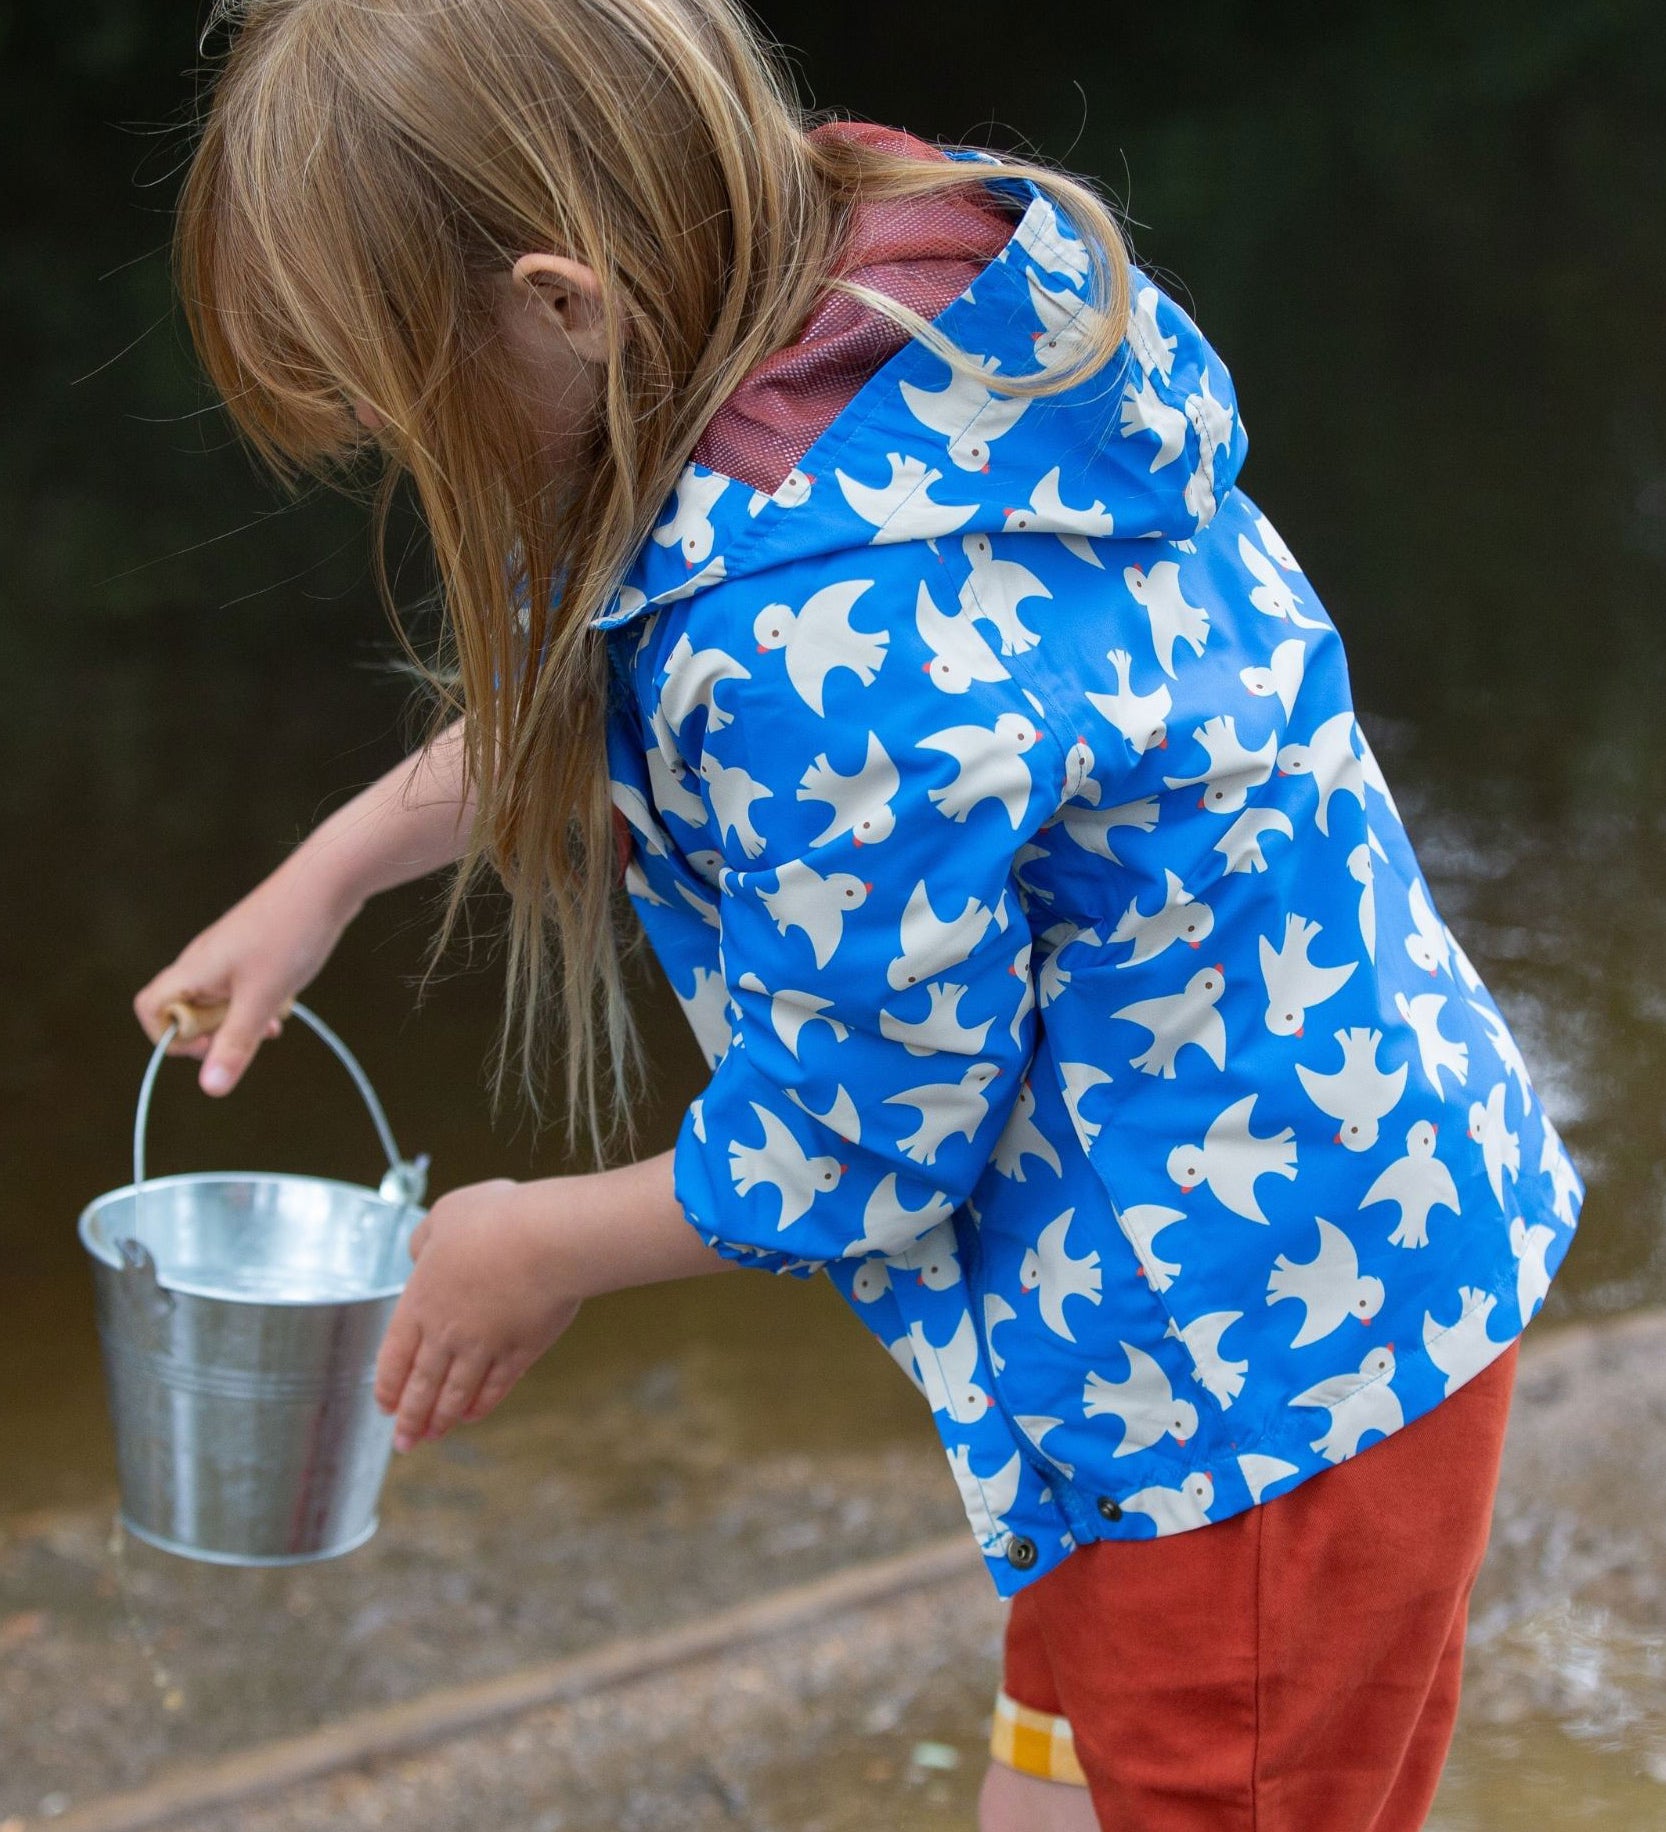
[[1564, 1722]]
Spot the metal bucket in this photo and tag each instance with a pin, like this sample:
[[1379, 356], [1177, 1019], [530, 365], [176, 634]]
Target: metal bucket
[[240, 1315]]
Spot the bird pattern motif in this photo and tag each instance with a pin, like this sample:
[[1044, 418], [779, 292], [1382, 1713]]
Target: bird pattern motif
[[1072, 995]]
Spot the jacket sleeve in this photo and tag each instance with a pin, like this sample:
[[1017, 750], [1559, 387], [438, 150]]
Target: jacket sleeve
[[872, 941]]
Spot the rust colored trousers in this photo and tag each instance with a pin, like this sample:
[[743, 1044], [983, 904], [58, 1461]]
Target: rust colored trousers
[[1293, 1669]]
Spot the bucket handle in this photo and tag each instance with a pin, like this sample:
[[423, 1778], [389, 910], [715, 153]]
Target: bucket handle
[[404, 1181]]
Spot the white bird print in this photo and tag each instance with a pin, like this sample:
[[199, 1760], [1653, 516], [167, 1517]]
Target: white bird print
[[1273, 595], [1358, 1403], [1212, 422], [692, 678], [1363, 873], [781, 1163], [1260, 1473], [939, 1029], [1273, 541], [1233, 768], [1142, 1224], [1359, 1095], [1293, 981], [1181, 918], [790, 1011], [995, 1310], [1330, 1286], [1232, 1159], [966, 414], [1145, 411], [945, 1107], [705, 910], [689, 524], [959, 653], [1462, 1348], [636, 882], [707, 1011], [695, 583], [792, 492], [1461, 961], [1555, 1164], [1500, 1147], [987, 1499], [889, 1226], [804, 899], [1175, 1510], [1036, 1428], [1042, 238], [732, 793], [1504, 1047], [631, 803], [1329, 758], [1067, 324], [1374, 777], [930, 945], [1241, 845], [1418, 1184], [1221, 1378], [1145, 336], [820, 639], [947, 1375], [1047, 1268], [707, 864], [668, 778], [1530, 1245], [1049, 513], [841, 1117], [1138, 716], [902, 510], [1079, 784], [1148, 1406], [1179, 1018], [861, 803], [995, 589], [934, 1259], [870, 1282], [1091, 828], [1079, 1079], [1427, 944], [1022, 1138], [1157, 592], [989, 766], [1435, 1051], [1281, 678]]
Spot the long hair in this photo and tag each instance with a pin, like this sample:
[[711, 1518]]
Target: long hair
[[365, 170]]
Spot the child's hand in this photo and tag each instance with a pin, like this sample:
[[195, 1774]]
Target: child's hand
[[485, 1300], [254, 959]]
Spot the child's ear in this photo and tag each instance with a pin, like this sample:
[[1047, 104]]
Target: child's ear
[[572, 293]]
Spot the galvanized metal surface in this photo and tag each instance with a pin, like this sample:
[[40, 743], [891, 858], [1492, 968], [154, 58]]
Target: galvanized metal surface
[[239, 1317]]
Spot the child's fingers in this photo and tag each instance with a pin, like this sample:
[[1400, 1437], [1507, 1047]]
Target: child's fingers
[[456, 1396], [236, 1038], [500, 1377], [416, 1403], [393, 1361]]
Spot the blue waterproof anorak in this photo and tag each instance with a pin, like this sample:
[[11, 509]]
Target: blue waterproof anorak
[[1072, 992]]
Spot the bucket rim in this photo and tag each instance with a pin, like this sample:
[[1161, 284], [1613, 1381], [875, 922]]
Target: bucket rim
[[86, 1225]]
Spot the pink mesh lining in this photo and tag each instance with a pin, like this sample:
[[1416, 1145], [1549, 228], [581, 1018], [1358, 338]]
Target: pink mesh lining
[[923, 252]]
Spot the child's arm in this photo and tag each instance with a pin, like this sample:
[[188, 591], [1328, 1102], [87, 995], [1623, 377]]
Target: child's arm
[[272, 943], [501, 1269]]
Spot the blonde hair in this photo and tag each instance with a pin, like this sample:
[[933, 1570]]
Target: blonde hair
[[364, 168]]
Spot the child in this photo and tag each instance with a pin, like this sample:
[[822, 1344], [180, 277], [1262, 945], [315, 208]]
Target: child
[[988, 784]]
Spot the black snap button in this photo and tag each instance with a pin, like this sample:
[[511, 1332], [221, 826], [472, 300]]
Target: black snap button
[[1109, 1508], [1020, 1552]]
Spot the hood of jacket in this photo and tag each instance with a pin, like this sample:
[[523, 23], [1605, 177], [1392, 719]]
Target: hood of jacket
[[1145, 449]]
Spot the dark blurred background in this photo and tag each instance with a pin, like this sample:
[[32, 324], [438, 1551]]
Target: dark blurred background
[[1429, 241]]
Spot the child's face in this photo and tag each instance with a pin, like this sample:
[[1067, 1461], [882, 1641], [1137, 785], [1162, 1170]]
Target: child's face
[[549, 318]]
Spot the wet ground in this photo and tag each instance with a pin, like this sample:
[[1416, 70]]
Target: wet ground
[[500, 1548]]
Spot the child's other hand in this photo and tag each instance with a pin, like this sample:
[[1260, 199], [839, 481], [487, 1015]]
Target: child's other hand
[[485, 1299]]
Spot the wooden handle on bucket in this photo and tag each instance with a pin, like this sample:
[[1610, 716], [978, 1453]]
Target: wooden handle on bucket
[[197, 1018]]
